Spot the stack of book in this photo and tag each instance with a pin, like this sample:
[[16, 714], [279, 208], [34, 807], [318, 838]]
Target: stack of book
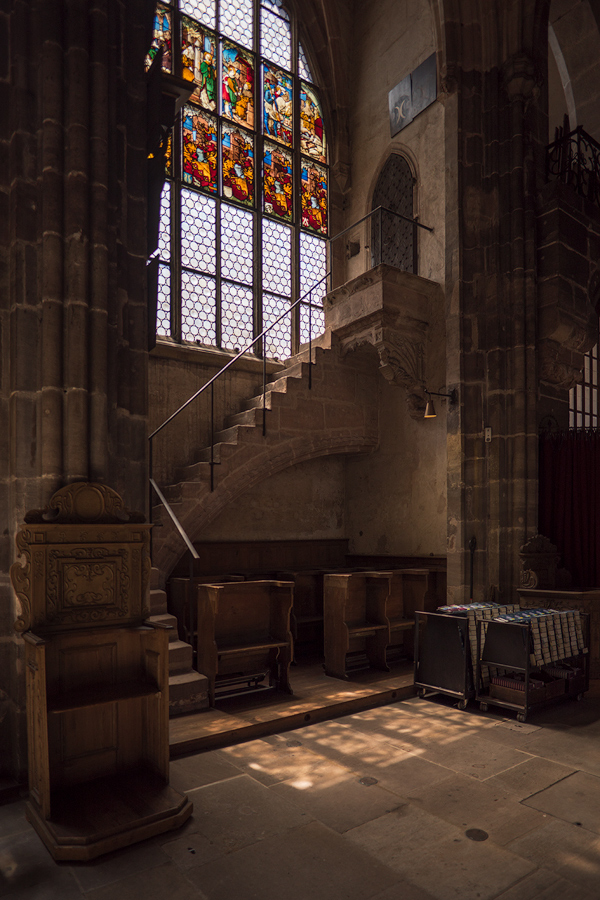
[[555, 634]]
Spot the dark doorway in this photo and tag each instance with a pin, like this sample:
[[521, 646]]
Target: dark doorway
[[393, 240]]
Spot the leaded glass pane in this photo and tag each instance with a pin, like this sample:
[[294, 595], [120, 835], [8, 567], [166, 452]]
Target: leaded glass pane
[[236, 316], [198, 217], [199, 148], [314, 196], [169, 155], [237, 88], [312, 134], [203, 10], [237, 244], [313, 265], [238, 164], [312, 323], [275, 35], [303, 67], [277, 181], [199, 62], [198, 308], [163, 305], [162, 36], [278, 343], [278, 104], [164, 230], [237, 21], [276, 258]]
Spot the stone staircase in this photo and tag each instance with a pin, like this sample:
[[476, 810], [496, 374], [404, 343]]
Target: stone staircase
[[337, 415], [188, 690]]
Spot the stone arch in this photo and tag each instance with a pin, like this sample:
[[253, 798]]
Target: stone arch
[[267, 462]]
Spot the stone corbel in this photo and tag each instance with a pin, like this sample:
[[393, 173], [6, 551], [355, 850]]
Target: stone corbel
[[402, 362]]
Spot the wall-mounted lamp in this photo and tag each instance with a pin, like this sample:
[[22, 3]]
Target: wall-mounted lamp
[[430, 412]]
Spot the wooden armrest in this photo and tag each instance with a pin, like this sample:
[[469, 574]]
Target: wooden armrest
[[365, 628]]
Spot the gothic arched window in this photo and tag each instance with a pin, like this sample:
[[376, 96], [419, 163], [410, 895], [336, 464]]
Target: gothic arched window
[[244, 215]]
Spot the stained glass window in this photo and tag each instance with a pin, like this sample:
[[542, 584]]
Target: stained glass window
[[244, 214]]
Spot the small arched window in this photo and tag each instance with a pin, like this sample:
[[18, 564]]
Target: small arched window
[[393, 240], [244, 211]]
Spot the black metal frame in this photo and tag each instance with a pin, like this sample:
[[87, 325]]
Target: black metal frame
[[511, 641], [574, 159], [448, 654]]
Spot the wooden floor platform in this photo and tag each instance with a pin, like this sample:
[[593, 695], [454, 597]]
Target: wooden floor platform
[[316, 697]]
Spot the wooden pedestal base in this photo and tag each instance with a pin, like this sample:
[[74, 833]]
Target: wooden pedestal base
[[90, 819]]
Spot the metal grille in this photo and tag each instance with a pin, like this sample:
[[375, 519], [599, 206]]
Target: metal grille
[[237, 244], [275, 41], [303, 67], [278, 344], [198, 249], [276, 254], [583, 398], [237, 20], [313, 268], [163, 305], [574, 158], [164, 232], [198, 296], [392, 238], [203, 10], [237, 315]]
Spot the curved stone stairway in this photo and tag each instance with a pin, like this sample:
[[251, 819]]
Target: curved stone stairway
[[336, 415]]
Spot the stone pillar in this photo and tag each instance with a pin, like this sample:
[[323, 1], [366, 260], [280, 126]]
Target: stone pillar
[[72, 272], [494, 65]]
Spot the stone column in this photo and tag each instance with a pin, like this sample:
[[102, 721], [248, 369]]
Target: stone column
[[495, 60], [72, 272]]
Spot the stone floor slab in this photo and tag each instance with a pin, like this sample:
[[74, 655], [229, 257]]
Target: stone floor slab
[[570, 852], [339, 803], [468, 803], [475, 756], [162, 883], [238, 812], [310, 862], [529, 777], [273, 761], [575, 799], [12, 819], [439, 858], [115, 866], [27, 868], [190, 772], [567, 746]]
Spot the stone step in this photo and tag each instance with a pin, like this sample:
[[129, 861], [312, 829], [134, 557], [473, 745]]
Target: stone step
[[167, 619], [155, 580], [158, 602], [188, 692], [246, 417], [180, 657]]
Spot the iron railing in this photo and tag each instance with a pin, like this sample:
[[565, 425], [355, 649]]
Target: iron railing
[[574, 159], [376, 233]]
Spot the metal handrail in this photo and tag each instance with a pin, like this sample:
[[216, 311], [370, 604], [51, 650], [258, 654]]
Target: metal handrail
[[210, 383]]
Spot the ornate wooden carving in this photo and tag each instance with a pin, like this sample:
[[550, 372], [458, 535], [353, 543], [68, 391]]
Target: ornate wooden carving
[[94, 569]]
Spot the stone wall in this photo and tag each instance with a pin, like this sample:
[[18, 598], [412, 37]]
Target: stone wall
[[72, 273]]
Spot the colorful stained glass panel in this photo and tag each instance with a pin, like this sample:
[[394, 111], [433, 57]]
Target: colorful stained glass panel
[[277, 181], [162, 36], [237, 86], [314, 196], [199, 62], [312, 134], [199, 148], [238, 164], [278, 104]]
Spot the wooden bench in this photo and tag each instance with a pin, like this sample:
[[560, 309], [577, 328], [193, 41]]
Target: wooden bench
[[371, 612], [243, 632]]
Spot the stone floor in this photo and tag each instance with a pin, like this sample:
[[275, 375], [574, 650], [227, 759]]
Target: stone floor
[[411, 801]]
